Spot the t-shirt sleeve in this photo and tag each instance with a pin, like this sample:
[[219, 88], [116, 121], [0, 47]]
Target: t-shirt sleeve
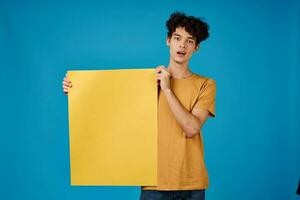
[[206, 97]]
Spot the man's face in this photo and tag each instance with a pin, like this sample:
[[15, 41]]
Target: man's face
[[182, 45]]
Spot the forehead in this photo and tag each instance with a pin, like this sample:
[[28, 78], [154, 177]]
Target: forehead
[[182, 32]]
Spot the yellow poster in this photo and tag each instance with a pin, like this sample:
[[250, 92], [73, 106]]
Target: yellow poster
[[113, 127]]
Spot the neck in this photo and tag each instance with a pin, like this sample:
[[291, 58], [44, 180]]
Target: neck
[[178, 70]]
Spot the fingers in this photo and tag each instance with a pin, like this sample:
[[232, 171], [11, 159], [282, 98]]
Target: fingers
[[66, 82], [163, 71], [66, 85], [161, 77], [66, 91], [160, 68]]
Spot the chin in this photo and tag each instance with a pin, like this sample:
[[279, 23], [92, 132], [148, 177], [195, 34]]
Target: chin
[[180, 61]]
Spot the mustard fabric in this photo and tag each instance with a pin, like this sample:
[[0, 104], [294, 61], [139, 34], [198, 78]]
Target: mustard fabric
[[181, 163]]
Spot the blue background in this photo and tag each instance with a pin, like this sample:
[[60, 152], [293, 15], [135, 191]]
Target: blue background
[[251, 147]]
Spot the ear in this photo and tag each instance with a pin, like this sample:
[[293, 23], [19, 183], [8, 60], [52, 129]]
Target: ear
[[168, 41], [197, 47]]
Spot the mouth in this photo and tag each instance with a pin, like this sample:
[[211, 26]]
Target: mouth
[[181, 53]]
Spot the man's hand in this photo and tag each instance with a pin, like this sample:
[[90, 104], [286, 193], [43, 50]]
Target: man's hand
[[66, 84], [163, 77]]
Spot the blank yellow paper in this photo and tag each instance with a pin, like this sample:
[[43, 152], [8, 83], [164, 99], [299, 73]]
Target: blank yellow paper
[[113, 127]]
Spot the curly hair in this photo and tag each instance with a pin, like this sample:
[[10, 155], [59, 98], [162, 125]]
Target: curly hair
[[193, 25]]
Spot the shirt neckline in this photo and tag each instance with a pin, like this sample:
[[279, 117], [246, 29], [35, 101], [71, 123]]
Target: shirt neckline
[[189, 77]]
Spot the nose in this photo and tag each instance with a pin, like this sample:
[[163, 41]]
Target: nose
[[183, 44]]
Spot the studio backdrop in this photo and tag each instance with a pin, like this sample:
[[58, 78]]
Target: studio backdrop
[[251, 147]]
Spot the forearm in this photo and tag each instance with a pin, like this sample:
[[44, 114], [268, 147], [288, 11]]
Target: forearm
[[187, 121]]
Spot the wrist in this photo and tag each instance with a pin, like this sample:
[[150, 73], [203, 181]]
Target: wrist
[[167, 91]]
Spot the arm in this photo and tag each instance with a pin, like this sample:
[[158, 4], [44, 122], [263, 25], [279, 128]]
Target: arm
[[191, 123]]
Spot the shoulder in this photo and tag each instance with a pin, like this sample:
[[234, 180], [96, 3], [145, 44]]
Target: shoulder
[[203, 81]]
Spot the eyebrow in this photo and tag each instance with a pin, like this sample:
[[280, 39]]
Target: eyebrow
[[176, 34]]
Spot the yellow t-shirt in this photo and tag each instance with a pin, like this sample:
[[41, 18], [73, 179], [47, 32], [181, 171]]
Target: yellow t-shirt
[[181, 160]]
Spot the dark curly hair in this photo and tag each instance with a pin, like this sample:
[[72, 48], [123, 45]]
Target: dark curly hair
[[193, 25]]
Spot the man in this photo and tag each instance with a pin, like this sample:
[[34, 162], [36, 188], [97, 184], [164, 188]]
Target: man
[[185, 101]]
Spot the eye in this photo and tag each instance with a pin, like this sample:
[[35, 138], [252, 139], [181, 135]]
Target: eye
[[191, 41], [176, 38]]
